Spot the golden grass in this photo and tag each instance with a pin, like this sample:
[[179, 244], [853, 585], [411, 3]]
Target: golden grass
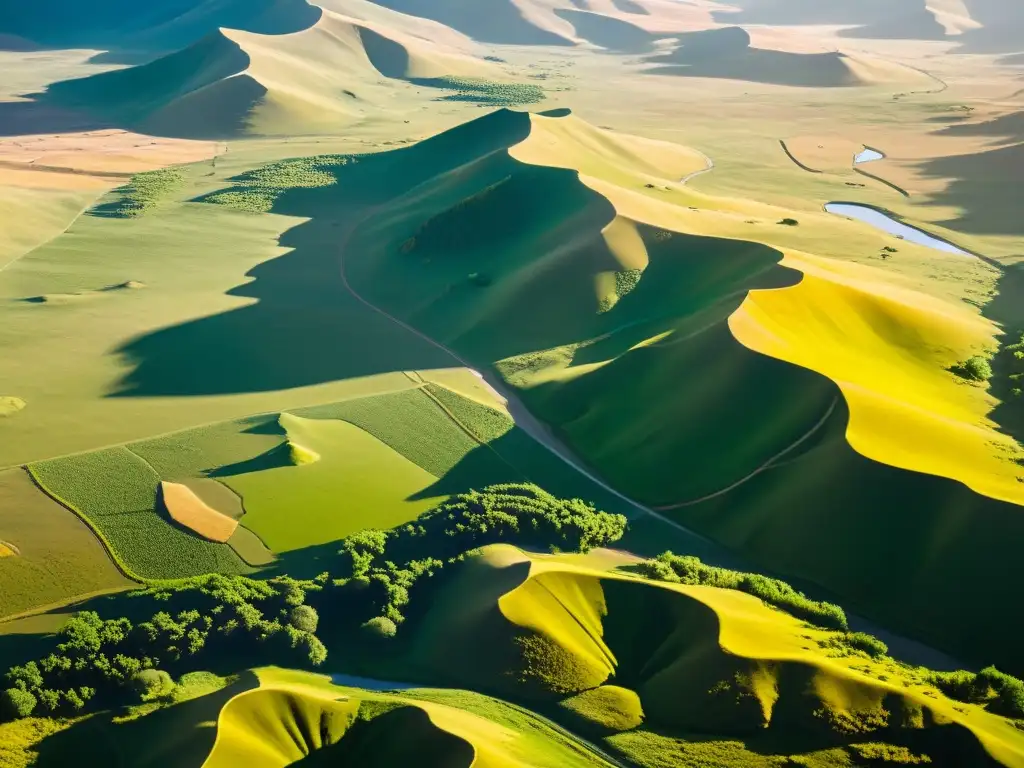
[[10, 405], [889, 350], [187, 509], [569, 610]]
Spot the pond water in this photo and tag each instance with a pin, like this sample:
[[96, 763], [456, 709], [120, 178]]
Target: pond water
[[867, 156], [888, 224]]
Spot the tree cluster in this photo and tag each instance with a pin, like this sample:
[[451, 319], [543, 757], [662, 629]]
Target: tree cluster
[[114, 658]]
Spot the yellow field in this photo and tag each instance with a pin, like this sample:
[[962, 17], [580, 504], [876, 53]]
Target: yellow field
[[187, 509]]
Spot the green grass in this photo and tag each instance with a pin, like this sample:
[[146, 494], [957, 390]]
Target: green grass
[[197, 452], [358, 482], [409, 422], [114, 491], [608, 708], [256, 191], [58, 557], [545, 743], [486, 424]]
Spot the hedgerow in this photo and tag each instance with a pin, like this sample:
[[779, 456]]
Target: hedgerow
[[116, 660], [687, 569], [1002, 694], [256, 191]]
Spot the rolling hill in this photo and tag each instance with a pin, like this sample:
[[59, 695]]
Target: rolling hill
[[232, 82], [633, 281]]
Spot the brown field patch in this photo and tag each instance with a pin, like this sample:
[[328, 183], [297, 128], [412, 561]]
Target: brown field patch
[[187, 509]]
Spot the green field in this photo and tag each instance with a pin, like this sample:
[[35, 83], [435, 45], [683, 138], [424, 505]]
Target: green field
[[114, 491], [53, 556]]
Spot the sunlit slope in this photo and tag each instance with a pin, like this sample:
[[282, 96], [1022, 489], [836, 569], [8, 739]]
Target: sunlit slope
[[701, 659], [296, 716], [889, 350], [323, 77]]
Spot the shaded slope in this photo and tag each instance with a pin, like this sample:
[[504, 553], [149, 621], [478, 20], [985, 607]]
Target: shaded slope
[[700, 659], [123, 24], [909, 19], [297, 718], [508, 22]]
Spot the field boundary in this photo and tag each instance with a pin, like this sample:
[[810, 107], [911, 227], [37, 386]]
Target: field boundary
[[121, 566], [792, 157]]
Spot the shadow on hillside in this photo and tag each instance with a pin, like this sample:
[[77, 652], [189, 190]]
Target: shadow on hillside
[[181, 735], [726, 53], [875, 19], [984, 187], [608, 32], [305, 327], [26, 118], [499, 22]]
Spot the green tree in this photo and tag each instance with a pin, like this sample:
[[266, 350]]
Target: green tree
[[380, 626], [152, 684], [16, 703], [304, 617]]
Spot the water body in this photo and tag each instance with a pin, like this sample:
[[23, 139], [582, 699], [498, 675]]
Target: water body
[[867, 156], [888, 224]]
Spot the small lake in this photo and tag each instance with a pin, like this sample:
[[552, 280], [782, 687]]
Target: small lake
[[867, 156], [888, 224]]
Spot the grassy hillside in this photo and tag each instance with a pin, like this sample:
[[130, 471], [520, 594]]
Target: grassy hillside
[[635, 283], [556, 629]]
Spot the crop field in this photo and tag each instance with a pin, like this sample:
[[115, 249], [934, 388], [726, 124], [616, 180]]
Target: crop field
[[53, 556], [358, 482], [115, 492], [410, 422], [486, 424]]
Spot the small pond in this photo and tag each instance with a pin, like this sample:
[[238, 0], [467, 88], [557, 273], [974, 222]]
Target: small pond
[[867, 156], [888, 224]]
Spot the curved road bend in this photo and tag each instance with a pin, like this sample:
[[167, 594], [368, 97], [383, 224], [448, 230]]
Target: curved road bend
[[907, 649]]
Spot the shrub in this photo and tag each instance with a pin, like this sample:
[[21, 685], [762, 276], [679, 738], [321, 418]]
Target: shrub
[[152, 684], [960, 685], [1008, 692], [789, 222], [304, 618], [870, 644], [976, 368], [16, 703], [380, 626], [688, 569]]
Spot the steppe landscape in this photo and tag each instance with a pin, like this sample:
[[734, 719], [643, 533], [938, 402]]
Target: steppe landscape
[[511, 383]]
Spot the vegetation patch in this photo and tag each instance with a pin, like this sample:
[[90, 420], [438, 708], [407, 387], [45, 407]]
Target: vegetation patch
[[479, 90], [687, 569], [1003, 694], [114, 491], [256, 191], [977, 368], [608, 708], [10, 406], [854, 643], [145, 192], [486, 424]]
